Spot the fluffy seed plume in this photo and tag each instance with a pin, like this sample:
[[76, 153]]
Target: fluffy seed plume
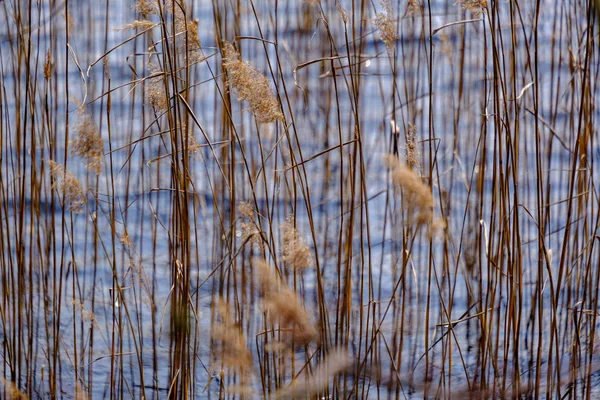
[[251, 86], [88, 143], [48, 66], [155, 93], [12, 391], [386, 24], [413, 157], [284, 307], [146, 7], [417, 196], [414, 7], [141, 25], [65, 183], [336, 362], [234, 352], [296, 253], [477, 7]]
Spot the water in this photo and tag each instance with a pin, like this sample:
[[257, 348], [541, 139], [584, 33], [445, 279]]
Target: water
[[68, 258]]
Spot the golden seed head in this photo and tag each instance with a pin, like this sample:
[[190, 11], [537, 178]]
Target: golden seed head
[[48, 66], [477, 7], [155, 92], [234, 351], [88, 143], [416, 195], [414, 7], [284, 307], [296, 252], [251, 86], [146, 7], [66, 184], [413, 157], [386, 24], [141, 25]]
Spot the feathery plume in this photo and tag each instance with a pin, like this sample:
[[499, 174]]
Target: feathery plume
[[155, 93], [48, 66], [246, 209], [416, 194], [296, 252], [284, 307], [477, 7], [88, 143], [234, 351], [251, 86], [12, 390], [386, 24], [146, 7], [141, 25], [336, 362], [413, 157], [66, 184], [414, 7]]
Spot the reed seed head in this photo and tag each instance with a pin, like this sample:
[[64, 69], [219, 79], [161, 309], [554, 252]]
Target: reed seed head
[[67, 184], [284, 307], [336, 362], [413, 156], [417, 196], [48, 66], [156, 95], [386, 24], [296, 253], [141, 25], [234, 350], [414, 7], [146, 7], [477, 7], [12, 391], [88, 143], [251, 86]]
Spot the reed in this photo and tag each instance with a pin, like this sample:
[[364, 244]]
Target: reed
[[299, 199]]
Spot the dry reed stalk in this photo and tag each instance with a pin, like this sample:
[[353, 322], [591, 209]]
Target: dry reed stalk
[[251, 86], [67, 184], [88, 143], [386, 24]]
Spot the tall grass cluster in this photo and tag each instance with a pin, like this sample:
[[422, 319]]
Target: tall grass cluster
[[299, 199]]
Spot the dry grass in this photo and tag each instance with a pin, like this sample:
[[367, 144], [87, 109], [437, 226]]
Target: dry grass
[[158, 241]]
